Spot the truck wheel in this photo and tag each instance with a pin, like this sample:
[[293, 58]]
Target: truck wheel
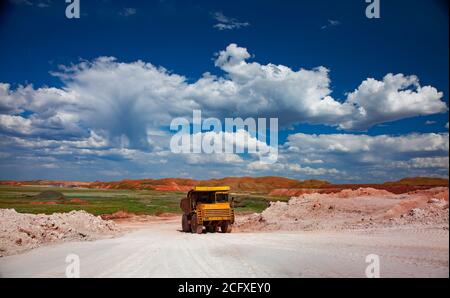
[[195, 227], [199, 229], [185, 223], [225, 227]]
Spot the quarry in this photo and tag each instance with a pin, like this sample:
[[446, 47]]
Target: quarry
[[323, 231]]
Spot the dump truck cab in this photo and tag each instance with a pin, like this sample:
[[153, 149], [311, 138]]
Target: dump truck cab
[[207, 207]]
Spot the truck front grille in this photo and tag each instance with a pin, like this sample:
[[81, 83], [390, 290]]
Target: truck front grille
[[216, 214]]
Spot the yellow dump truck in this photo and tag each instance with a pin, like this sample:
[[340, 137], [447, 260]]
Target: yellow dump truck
[[207, 207]]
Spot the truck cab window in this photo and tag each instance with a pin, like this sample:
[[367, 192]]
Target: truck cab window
[[221, 198]]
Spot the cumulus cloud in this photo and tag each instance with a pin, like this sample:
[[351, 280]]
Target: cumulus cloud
[[304, 96], [417, 154], [369, 158], [350, 143], [11, 102], [121, 111], [396, 97], [224, 144], [425, 162], [126, 99]]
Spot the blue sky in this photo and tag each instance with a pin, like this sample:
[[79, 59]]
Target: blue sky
[[49, 134]]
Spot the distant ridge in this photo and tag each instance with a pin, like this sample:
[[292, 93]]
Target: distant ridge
[[425, 181], [270, 184]]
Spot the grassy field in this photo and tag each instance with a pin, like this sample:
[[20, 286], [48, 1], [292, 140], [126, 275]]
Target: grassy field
[[104, 201]]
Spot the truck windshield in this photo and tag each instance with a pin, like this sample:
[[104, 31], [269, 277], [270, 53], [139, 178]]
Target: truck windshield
[[204, 198], [221, 197]]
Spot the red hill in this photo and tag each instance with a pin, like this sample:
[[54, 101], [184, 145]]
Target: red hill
[[276, 186]]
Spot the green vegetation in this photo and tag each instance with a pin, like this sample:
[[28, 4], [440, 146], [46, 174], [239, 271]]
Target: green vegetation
[[253, 202], [105, 201], [95, 201]]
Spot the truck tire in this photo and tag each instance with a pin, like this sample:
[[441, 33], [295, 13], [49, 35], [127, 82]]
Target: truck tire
[[185, 223], [225, 227], [195, 227]]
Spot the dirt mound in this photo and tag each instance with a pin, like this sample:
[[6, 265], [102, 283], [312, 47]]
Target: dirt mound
[[20, 232], [362, 192], [440, 193], [423, 200], [360, 208]]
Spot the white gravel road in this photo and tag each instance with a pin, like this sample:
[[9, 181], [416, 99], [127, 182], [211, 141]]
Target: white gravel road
[[160, 250]]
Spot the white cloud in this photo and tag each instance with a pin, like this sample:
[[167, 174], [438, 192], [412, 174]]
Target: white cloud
[[128, 11], [258, 166], [369, 156], [118, 111], [43, 4], [310, 171], [212, 159], [11, 101], [40, 4], [226, 23], [424, 162], [291, 169], [396, 97], [330, 23], [50, 166], [224, 144], [382, 144], [127, 99], [314, 161], [15, 124]]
